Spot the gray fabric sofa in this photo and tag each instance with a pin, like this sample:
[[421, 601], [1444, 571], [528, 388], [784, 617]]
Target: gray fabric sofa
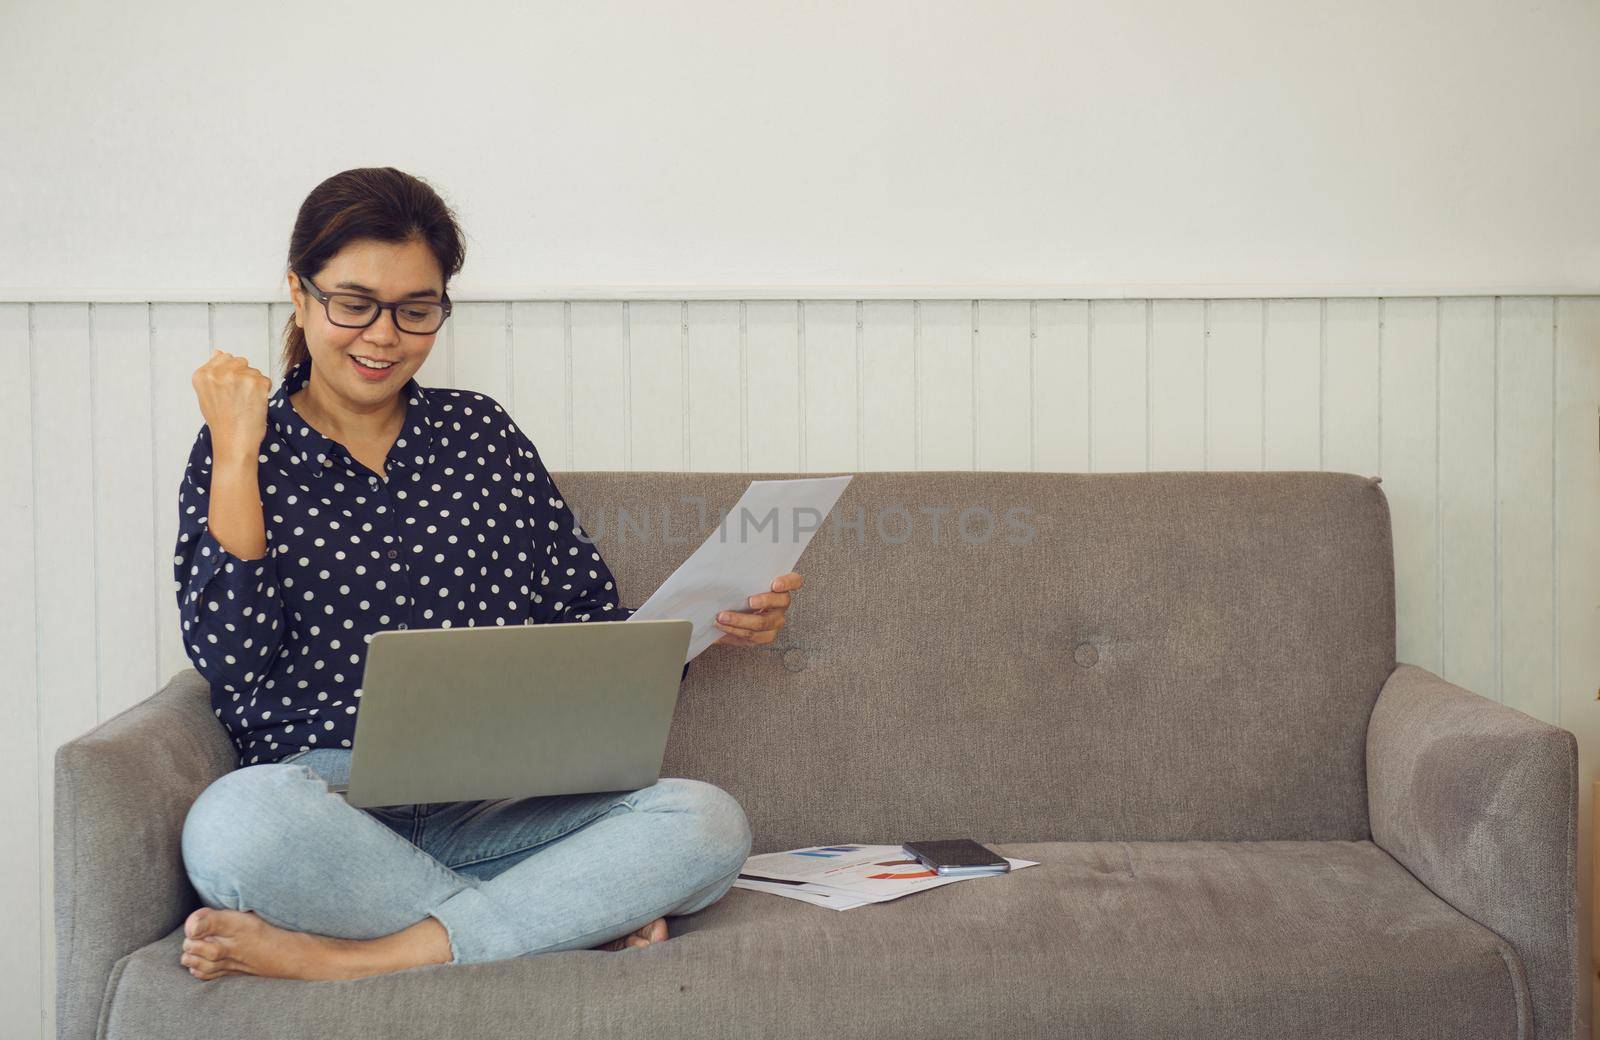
[[1177, 691]]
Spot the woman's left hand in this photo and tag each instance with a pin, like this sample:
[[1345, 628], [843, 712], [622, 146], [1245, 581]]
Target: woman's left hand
[[759, 625]]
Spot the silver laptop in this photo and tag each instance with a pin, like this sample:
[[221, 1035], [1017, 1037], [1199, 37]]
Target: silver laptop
[[514, 711]]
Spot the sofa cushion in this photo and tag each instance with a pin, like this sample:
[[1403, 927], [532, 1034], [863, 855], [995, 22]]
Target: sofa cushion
[[1101, 939], [1151, 656]]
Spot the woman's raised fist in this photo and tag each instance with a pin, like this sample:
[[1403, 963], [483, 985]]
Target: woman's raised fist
[[233, 399]]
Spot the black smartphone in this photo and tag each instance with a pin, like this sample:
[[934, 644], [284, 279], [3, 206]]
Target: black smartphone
[[957, 856]]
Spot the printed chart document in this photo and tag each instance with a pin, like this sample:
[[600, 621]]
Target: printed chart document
[[762, 537], [843, 877]]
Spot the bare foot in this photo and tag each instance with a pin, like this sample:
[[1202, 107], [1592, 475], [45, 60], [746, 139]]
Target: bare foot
[[234, 942], [655, 931]]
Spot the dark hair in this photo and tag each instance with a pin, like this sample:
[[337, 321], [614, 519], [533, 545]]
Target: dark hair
[[375, 202]]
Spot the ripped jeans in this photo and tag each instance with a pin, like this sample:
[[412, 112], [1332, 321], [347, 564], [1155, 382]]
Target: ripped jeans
[[505, 877]]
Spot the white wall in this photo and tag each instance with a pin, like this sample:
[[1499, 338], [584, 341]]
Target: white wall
[[797, 224], [1287, 148]]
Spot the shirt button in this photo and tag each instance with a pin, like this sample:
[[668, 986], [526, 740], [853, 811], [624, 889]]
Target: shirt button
[[402, 624], [393, 553]]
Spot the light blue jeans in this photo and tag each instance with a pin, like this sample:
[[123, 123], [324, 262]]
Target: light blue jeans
[[505, 877]]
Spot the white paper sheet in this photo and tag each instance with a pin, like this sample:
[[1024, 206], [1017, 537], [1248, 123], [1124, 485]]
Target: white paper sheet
[[805, 893], [843, 877], [762, 537]]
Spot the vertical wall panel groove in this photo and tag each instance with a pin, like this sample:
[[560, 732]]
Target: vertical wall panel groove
[[566, 360], [944, 378], [1059, 397], [1233, 376], [1383, 310], [44, 925], [800, 378], [1555, 512], [1002, 397], [450, 352], [64, 494], [1088, 380], [744, 387], [1577, 484], [95, 614], [25, 973], [831, 399], [714, 374], [1205, 386], [158, 551], [773, 392], [1261, 388], [1291, 425], [919, 397], [1499, 670], [43, 823], [1177, 427], [626, 331], [1407, 388], [126, 501], [1525, 503], [1033, 382], [683, 360], [1351, 378], [1322, 384], [511, 367], [888, 438], [861, 396], [1117, 404], [977, 374], [1149, 388], [1438, 499], [1467, 536], [477, 352]]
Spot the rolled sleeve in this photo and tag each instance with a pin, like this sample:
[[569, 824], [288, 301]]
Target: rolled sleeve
[[230, 608]]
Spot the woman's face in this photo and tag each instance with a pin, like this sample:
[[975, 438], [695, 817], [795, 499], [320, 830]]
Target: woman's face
[[385, 270]]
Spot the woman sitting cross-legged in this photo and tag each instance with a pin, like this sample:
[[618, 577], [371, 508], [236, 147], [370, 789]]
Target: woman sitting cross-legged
[[352, 501]]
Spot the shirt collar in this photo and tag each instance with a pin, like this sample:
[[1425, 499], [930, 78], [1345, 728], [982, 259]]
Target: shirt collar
[[312, 450]]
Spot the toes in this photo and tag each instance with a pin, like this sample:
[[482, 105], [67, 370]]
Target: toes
[[204, 960], [655, 931], [207, 976], [204, 950], [194, 925], [208, 970]]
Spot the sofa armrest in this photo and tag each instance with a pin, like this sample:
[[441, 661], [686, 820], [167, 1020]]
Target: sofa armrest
[[1480, 802], [122, 792]]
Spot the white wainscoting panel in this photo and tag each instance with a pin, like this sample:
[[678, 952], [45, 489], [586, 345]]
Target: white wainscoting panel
[[1482, 414]]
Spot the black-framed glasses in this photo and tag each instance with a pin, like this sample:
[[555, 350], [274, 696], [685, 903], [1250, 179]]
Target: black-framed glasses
[[355, 311]]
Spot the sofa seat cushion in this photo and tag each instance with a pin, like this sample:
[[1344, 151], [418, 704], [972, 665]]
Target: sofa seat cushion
[[1101, 939]]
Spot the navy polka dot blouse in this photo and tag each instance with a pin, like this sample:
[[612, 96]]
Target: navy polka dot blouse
[[465, 528]]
